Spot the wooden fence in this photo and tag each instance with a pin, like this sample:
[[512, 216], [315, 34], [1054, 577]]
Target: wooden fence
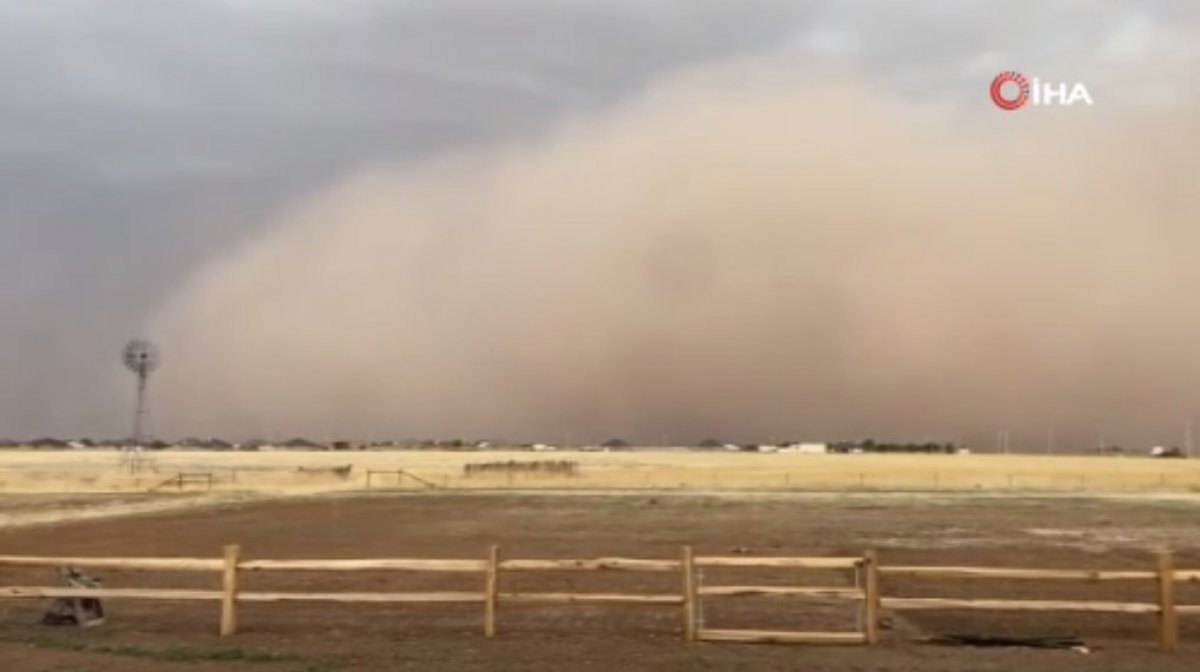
[[184, 479], [866, 592], [399, 474]]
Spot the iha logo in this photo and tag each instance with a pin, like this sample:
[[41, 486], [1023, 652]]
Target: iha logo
[[1012, 91]]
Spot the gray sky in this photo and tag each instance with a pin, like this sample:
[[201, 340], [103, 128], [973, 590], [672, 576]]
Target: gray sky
[[142, 140]]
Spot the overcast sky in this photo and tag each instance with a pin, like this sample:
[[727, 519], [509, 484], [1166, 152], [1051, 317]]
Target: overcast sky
[[140, 139]]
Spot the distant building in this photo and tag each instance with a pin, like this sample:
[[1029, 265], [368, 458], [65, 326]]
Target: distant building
[[302, 444], [807, 448]]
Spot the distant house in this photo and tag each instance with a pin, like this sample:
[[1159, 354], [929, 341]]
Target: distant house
[[301, 443], [806, 448], [204, 444]]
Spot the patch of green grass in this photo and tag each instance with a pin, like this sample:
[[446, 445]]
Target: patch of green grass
[[193, 654], [174, 654]]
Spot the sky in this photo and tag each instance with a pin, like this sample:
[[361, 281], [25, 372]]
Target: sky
[[569, 220]]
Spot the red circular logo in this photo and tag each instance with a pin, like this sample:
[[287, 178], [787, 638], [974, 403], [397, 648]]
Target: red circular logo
[[1014, 102]]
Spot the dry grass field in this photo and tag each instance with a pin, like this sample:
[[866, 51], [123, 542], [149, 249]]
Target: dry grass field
[[300, 472]]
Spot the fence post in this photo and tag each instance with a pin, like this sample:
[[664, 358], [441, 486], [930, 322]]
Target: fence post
[[688, 565], [492, 592], [870, 605], [1168, 618], [229, 590]]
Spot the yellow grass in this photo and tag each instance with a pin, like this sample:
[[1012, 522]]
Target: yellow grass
[[277, 471]]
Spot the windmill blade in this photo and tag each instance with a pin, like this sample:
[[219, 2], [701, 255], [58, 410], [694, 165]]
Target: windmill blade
[[140, 356]]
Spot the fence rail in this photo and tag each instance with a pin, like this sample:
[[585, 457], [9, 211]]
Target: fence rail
[[1016, 573], [865, 594]]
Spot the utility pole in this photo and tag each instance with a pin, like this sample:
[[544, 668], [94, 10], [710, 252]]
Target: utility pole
[[1002, 441], [1187, 438], [1050, 441]]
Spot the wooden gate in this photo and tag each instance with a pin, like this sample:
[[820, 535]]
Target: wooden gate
[[865, 593]]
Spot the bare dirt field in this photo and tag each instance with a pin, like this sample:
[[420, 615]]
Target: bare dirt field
[[46, 508], [1066, 532]]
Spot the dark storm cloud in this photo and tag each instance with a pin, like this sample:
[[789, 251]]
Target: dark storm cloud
[[138, 138], [141, 139]]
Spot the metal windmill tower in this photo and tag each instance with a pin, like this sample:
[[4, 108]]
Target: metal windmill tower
[[141, 357]]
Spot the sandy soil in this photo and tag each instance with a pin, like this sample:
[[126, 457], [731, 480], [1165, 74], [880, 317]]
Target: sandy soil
[[931, 530], [47, 509]]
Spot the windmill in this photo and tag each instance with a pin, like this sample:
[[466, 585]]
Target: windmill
[[141, 357]]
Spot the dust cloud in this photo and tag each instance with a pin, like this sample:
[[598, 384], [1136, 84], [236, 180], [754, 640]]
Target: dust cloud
[[745, 253]]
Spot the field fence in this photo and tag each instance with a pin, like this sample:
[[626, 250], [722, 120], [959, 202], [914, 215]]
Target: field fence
[[866, 594], [569, 476]]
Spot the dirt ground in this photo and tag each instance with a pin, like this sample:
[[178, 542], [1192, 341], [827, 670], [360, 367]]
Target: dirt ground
[[995, 531]]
